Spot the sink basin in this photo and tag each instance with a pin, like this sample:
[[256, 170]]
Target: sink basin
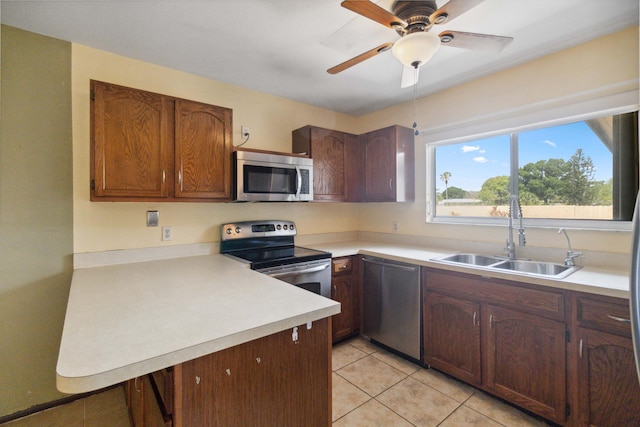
[[535, 268], [538, 268], [471, 259]]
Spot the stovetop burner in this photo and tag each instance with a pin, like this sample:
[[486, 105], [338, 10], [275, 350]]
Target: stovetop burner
[[266, 244]]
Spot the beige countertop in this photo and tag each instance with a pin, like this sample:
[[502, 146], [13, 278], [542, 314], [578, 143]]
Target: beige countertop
[[128, 320], [613, 283]]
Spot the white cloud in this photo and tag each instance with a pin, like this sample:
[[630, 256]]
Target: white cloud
[[468, 148], [550, 143], [480, 159]]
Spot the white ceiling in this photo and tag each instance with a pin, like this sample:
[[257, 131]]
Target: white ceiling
[[284, 47]]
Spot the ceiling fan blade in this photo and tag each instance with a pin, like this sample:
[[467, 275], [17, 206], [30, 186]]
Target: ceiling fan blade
[[474, 41], [373, 12], [452, 10], [409, 76], [358, 59]]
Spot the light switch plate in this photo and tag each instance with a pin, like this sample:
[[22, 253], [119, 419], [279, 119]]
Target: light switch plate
[[152, 218]]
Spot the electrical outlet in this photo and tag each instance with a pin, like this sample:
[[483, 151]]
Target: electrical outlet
[[167, 233], [244, 131], [396, 228]]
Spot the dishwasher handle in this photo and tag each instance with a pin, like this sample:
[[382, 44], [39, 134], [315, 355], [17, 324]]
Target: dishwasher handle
[[390, 264]]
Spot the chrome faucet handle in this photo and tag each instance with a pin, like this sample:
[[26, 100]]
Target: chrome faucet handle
[[568, 261]]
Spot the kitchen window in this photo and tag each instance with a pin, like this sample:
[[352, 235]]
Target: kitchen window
[[580, 172]]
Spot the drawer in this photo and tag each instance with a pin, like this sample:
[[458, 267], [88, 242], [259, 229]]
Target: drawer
[[509, 294], [342, 265], [604, 313]]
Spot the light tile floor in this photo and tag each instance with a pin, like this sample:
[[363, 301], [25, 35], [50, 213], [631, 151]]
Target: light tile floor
[[371, 387]]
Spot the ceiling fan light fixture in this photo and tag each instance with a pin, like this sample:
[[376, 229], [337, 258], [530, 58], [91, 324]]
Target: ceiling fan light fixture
[[416, 49]]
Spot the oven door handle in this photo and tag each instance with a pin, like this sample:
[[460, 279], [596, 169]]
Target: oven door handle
[[298, 272]]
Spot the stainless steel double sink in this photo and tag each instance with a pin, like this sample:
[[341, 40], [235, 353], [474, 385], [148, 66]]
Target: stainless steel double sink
[[526, 267]]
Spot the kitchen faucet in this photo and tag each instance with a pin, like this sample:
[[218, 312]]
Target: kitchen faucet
[[515, 212], [568, 261]]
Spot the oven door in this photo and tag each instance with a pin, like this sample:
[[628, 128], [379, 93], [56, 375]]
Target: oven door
[[314, 276]]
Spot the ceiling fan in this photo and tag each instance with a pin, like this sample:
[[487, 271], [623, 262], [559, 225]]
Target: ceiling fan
[[412, 20]]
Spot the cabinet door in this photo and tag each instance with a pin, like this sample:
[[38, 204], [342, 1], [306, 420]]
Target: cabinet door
[[525, 361], [607, 381], [452, 336], [329, 165], [131, 142], [202, 150], [345, 289], [389, 165], [380, 167]]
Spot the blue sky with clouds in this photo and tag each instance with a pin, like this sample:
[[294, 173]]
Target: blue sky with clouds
[[472, 163]]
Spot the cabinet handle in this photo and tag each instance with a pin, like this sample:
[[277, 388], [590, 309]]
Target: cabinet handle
[[619, 319], [342, 267], [491, 319], [164, 177], [475, 314], [180, 177], [334, 289], [135, 384], [580, 349], [391, 184], [104, 173]]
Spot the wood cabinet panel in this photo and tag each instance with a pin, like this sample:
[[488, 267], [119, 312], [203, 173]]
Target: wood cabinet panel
[[608, 385], [336, 162], [132, 136], [147, 146], [510, 294], [389, 165], [272, 381], [452, 336], [603, 313], [203, 150], [345, 288], [524, 361]]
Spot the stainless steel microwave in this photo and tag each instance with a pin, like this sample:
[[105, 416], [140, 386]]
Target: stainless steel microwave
[[272, 177]]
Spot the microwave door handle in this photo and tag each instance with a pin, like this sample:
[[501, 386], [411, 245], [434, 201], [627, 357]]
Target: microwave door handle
[[298, 182]]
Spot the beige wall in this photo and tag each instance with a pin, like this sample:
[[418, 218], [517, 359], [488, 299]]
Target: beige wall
[[36, 243]]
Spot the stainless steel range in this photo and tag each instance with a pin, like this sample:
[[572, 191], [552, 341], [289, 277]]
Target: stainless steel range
[[268, 246]]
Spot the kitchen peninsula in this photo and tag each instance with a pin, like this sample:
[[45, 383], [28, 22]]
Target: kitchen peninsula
[[129, 320]]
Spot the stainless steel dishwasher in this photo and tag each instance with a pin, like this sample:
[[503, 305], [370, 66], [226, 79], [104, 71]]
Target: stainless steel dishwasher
[[392, 305]]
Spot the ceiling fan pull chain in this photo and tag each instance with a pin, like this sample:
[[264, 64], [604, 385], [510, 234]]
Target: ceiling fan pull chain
[[415, 101]]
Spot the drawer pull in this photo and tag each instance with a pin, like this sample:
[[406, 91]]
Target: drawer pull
[[475, 314], [619, 319]]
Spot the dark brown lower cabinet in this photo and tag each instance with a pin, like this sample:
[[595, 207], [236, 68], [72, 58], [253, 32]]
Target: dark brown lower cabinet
[[345, 288], [452, 331], [525, 361], [609, 390], [500, 336], [283, 379]]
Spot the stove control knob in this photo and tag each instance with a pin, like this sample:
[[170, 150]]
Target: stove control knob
[[291, 227], [229, 230], [285, 226], [278, 226], [238, 230]]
